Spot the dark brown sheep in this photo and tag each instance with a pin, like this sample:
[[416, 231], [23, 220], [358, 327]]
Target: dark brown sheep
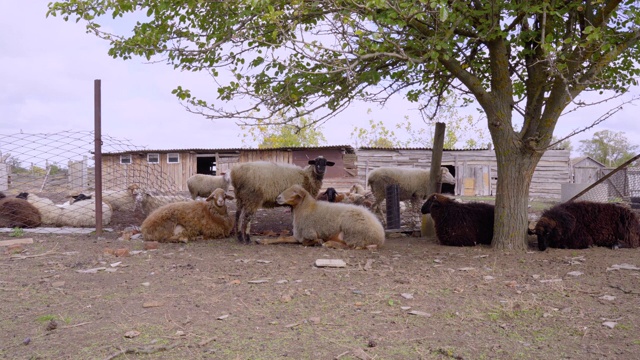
[[582, 224], [460, 224], [15, 212]]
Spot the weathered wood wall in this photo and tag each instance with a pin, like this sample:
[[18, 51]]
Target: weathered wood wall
[[475, 170]]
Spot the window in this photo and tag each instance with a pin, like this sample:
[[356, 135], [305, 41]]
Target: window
[[153, 158], [125, 159], [173, 158]]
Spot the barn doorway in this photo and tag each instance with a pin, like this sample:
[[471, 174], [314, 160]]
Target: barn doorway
[[449, 188], [206, 164]]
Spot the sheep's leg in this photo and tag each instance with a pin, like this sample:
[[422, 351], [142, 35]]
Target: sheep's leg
[[336, 242], [243, 235]]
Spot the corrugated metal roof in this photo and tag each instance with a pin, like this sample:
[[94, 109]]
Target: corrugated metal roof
[[416, 148], [348, 148]]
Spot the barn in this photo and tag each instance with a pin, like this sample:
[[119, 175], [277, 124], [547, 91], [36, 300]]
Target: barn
[[475, 170], [167, 170]]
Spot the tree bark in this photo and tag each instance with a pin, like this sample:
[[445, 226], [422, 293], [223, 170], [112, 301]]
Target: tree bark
[[515, 171]]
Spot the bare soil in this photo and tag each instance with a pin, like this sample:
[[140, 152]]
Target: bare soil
[[65, 297]]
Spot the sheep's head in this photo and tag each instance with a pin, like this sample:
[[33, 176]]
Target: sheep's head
[[357, 189], [292, 196], [446, 177], [434, 200], [551, 229], [22, 195], [320, 165], [217, 200]]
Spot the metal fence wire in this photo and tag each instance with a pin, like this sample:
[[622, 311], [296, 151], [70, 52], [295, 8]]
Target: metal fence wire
[[619, 185], [55, 174]]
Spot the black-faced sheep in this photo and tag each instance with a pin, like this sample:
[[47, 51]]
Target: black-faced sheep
[[184, 221], [78, 214], [460, 224], [203, 185], [582, 224], [412, 183], [258, 184], [17, 212], [334, 225], [330, 195]]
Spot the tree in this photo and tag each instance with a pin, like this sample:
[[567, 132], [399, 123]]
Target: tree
[[523, 62], [294, 133], [608, 147], [564, 144]]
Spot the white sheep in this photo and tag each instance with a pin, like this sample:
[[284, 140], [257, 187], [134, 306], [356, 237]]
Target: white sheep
[[121, 200], [203, 185], [412, 184], [336, 225], [257, 184], [188, 220], [77, 214], [150, 202]]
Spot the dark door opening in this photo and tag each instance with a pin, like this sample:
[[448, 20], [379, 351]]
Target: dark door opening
[[449, 188], [206, 165]]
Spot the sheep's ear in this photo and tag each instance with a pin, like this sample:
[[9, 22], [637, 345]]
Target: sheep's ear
[[330, 163], [228, 197], [312, 162]]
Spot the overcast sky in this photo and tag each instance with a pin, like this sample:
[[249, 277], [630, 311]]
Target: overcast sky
[[48, 67]]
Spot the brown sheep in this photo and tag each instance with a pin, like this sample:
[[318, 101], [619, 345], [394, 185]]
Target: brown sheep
[[188, 220], [16, 212]]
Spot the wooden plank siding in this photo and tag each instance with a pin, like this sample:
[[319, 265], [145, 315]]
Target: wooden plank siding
[[475, 170]]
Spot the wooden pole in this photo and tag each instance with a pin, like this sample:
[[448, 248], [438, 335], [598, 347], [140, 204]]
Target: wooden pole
[[97, 129]]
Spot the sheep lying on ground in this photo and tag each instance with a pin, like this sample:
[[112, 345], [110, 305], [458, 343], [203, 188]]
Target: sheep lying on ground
[[150, 202], [351, 197], [460, 224], [184, 221], [343, 226], [78, 214], [257, 184], [121, 200], [203, 185], [581, 224], [412, 184], [15, 212]]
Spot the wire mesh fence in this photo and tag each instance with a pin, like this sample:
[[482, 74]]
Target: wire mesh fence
[[55, 174], [619, 185]]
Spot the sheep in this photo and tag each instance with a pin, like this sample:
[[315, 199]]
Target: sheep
[[184, 221], [78, 214], [343, 226], [412, 183], [257, 184], [203, 185], [150, 202], [460, 224], [330, 195], [121, 200], [17, 212], [582, 224], [358, 189]]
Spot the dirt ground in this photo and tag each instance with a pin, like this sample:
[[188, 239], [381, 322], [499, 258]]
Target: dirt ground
[[65, 297]]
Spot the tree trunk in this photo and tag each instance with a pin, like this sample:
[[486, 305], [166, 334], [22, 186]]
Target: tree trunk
[[515, 171]]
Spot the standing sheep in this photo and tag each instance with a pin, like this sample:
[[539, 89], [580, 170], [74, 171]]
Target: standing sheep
[[184, 221], [17, 212], [581, 224], [203, 185], [460, 224], [336, 225], [412, 183], [258, 184]]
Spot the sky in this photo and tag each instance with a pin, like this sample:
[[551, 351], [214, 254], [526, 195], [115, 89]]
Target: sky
[[47, 72]]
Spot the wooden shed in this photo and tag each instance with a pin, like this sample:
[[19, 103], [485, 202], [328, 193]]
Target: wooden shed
[[167, 170], [586, 170], [475, 170]]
